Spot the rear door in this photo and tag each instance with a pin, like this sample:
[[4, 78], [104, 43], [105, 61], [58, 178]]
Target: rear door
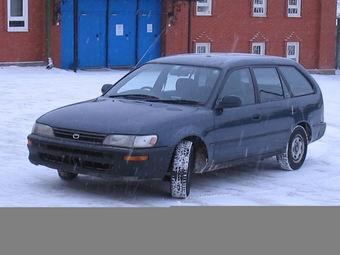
[[277, 111]]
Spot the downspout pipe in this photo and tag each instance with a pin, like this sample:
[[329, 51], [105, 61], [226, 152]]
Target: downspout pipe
[[337, 60], [189, 27], [48, 34]]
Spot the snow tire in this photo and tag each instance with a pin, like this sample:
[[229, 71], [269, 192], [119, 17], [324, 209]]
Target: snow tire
[[181, 170]]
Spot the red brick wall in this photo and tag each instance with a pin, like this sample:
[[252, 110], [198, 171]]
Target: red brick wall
[[55, 45], [24, 46], [231, 28], [327, 45]]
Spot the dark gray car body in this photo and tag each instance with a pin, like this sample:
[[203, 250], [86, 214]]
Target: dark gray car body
[[223, 133]]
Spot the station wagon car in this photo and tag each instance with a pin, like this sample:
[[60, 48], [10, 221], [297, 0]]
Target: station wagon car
[[185, 114]]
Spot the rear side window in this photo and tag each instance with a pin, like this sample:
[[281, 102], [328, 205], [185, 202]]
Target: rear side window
[[298, 84], [269, 84]]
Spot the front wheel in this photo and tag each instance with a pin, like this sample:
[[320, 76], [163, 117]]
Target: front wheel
[[295, 152], [182, 167]]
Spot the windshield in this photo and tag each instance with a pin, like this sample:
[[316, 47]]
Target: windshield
[[165, 82]]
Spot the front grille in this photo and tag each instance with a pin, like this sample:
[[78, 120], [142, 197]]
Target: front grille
[[68, 150], [79, 135], [74, 161]]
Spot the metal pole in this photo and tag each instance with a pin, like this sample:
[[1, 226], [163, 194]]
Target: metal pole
[[48, 30], [75, 38], [337, 59], [189, 27]]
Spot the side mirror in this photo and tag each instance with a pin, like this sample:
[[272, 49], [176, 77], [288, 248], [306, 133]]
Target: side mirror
[[106, 87], [229, 102]]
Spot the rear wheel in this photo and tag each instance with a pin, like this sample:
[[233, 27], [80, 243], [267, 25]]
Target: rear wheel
[[67, 175], [296, 150], [181, 171]]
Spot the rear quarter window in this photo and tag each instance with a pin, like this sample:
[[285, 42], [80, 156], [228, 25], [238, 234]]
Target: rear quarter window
[[298, 84]]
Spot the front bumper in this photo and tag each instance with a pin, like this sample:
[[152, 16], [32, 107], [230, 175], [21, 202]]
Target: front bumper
[[98, 160]]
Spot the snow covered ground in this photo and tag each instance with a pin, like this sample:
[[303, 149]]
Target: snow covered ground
[[28, 92]]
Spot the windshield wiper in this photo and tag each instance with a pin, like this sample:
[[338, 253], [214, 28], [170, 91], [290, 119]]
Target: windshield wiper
[[180, 101], [156, 99], [135, 96]]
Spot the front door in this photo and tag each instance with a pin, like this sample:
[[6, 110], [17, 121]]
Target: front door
[[237, 130]]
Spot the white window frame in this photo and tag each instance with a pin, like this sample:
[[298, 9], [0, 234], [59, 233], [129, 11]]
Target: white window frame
[[294, 8], [296, 51], [206, 46], [203, 8], [261, 46], [23, 18], [260, 8]]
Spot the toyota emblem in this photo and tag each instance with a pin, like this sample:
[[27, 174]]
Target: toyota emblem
[[76, 136]]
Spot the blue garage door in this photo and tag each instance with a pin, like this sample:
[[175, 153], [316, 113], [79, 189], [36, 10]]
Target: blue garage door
[[111, 33], [122, 33], [92, 33], [149, 32], [67, 31]]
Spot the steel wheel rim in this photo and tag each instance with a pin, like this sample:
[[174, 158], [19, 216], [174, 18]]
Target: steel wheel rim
[[297, 148]]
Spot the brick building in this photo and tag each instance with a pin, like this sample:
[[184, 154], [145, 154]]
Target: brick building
[[124, 33]]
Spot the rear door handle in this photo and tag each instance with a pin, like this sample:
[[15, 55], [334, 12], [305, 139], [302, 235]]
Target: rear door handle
[[256, 117]]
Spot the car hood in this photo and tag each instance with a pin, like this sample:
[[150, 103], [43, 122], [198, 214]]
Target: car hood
[[107, 115]]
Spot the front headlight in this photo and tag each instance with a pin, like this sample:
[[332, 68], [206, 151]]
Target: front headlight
[[41, 129], [131, 141]]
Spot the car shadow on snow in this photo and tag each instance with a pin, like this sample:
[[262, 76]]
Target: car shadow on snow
[[204, 183]]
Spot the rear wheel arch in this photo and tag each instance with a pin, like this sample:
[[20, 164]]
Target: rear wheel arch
[[307, 128], [293, 157]]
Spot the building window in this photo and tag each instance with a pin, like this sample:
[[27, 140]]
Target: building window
[[203, 8], [293, 51], [260, 8], [17, 15], [294, 8], [259, 48], [202, 47]]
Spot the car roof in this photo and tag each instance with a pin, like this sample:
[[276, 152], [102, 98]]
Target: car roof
[[223, 60]]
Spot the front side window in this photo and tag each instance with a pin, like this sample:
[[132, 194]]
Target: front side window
[[269, 84], [294, 8], [202, 47], [260, 8], [259, 48], [293, 51], [239, 83], [17, 15], [203, 8]]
